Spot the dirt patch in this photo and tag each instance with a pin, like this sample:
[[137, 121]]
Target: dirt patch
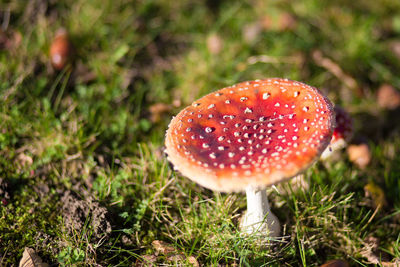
[[77, 213]]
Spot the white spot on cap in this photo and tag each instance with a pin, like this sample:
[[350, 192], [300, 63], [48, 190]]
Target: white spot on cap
[[248, 110], [211, 106], [209, 130], [266, 96]]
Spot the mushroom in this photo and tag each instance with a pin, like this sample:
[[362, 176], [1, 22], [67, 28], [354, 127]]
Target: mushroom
[[341, 134], [340, 137], [249, 136]]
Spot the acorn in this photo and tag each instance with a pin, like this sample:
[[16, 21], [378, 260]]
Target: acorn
[[60, 50]]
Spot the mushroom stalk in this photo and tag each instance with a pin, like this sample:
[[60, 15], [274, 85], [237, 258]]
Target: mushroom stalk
[[259, 217]]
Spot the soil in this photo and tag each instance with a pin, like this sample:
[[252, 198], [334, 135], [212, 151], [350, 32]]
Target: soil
[[77, 213]]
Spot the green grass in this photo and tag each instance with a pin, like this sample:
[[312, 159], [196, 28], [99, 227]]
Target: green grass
[[88, 129]]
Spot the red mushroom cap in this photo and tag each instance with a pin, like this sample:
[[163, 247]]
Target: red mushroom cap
[[253, 133], [341, 134]]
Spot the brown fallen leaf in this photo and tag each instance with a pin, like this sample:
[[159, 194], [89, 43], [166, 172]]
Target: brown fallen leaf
[[359, 155], [335, 263], [24, 160], [388, 97], [31, 259], [192, 260], [172, 254], [163, 247], [370, 252]]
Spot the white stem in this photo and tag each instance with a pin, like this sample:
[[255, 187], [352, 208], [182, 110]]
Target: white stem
[[259, 217]]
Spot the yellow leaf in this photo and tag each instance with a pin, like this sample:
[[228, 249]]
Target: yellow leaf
[[376, 194]]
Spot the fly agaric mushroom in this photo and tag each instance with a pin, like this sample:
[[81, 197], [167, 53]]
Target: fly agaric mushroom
[[341, 134], [248, 136]]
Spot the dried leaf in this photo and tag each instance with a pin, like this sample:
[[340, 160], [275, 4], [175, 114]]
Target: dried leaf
[[192, 260], [388, 97], [25, 160], [180, 258], [31, 259], [163, 247], [374, 259], [376, 194], [359, 155]]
